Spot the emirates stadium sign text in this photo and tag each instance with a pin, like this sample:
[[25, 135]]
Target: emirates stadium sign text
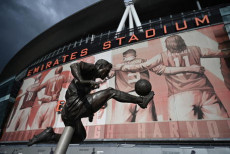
[[90, 49]]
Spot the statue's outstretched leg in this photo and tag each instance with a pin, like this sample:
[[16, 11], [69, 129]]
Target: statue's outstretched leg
[[98, 99], [86, 106]]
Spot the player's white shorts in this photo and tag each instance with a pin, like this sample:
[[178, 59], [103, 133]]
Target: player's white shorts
[[19, 121], [129, 112], [193, 105], [45, 116]]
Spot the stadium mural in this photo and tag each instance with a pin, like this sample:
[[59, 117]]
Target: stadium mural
[[188, 74]]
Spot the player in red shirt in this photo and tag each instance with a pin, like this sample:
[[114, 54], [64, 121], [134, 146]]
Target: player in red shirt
[[46, 114], [19, 121], [191, 95], [125, 81]]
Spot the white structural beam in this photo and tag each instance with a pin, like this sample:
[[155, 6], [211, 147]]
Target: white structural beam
[[198, 5], [131, 26], [135, 16], [130, 20], [130, 9], [123, 19], [123, 27]]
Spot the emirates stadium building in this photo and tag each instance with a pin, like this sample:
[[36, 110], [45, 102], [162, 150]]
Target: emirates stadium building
[[181, 47]]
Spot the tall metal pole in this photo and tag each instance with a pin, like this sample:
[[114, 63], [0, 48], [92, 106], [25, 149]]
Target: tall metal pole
[[64, 141]]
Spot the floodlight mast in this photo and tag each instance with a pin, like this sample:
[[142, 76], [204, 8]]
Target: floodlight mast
[[130, 9]]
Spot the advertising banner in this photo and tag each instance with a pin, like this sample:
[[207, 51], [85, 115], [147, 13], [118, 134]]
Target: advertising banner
[[189, 76]]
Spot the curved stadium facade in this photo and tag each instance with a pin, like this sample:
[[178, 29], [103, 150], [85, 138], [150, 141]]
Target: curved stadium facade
[[190, 112]]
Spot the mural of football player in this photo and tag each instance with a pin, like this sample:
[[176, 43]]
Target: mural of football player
[[125, 81], [19, 121], [191, 95], [46, 114]]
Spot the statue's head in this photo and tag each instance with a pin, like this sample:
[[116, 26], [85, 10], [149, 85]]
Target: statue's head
[[175, 44], [129, 55], [103, 68]]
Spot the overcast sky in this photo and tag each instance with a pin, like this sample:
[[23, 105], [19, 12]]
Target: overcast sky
[[22, 20]]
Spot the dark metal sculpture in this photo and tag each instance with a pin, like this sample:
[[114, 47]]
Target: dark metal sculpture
[[80, 103]]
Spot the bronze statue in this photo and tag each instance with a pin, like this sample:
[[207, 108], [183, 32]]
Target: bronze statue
[[80, 103]]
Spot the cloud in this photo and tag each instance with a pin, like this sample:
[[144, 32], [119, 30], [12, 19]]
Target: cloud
[[23, 20]]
